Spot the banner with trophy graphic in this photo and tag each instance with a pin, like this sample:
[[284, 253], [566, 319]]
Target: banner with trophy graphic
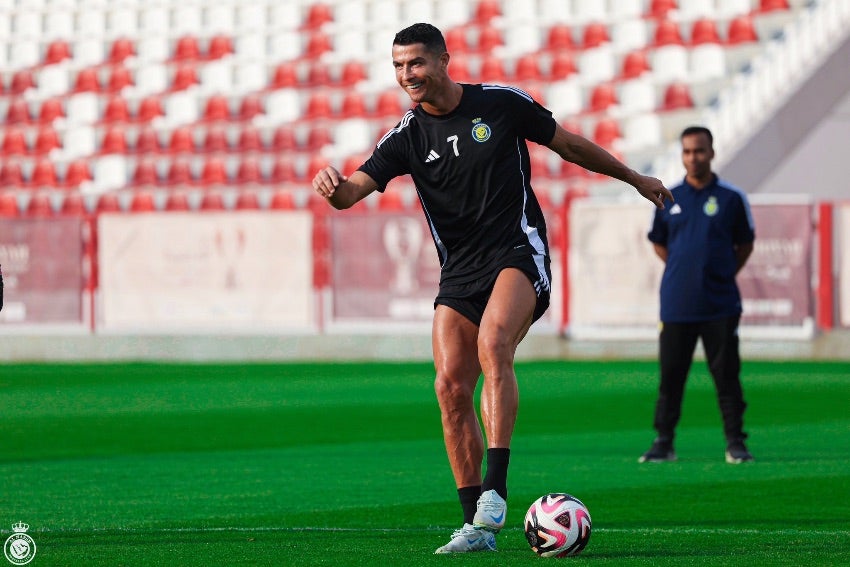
[[384, 268], [214, 272]]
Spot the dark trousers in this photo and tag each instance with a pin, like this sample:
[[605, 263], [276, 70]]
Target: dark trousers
[[677, 343]]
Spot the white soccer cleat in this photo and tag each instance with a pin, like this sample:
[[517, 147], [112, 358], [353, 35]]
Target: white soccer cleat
[[469, 538], [491, 512]]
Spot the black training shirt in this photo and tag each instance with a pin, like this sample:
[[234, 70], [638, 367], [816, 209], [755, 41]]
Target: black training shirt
[[472, 173]]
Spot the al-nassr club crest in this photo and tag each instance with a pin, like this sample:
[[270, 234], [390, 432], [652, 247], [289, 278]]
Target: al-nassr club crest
[[19, 547]]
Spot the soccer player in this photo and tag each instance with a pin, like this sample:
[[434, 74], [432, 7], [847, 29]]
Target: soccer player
[[465, 147], [704, 240]]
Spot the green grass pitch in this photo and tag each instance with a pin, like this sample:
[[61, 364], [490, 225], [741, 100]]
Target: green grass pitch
[[343, 464]]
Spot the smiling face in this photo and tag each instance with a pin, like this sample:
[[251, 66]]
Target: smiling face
[[423, 75]]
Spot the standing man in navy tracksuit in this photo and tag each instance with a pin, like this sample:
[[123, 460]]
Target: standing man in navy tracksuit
[[704, 239]]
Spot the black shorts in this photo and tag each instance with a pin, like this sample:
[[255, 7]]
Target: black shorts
[[470, 299]]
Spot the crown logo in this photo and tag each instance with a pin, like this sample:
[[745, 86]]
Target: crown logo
[[20, 527]]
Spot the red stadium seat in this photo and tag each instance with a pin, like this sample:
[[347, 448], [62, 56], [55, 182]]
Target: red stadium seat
[[217, 108], [46, 140], [78, 173], [741, 30], [57, 51], [677, 96], [283, 171], [185, 77], [391, 201], [354, 106], [249, 171], [667, 33], [116, 110], [187, 48], [771, 5], [121, 49], [594, 35], [318, 75], [318, 137], [635, 64], [108, 203], [284, 139], [389, 105], [8, 204], [559, 38], [119, 79], [181, 141], [214, 172], [563, 65], [489, 39], [179, 173], [250, 140], [251, 106], [492, 70], [486, 11], [147, 141], [318, 44], [145, 173], [142, 202], [22, 80], [177, 201], [11, 174], [43, 174], [150, 108], [114, 141], [282, 199], [73, 204], [352, 163], [459, 68], [14, 142], [51, 109], [457, 41], [527, 69], [87, 80], [247, 201], [602, 97], [318, 15], [606, 131], [18, 112], [212, 201], [660, 8], [352, 73], [220, 46], [285, 76], [704, 30], [318, 106], [215, 140], [39, 206]]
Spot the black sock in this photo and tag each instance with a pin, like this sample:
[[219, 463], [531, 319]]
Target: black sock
[[497, 472], [468, 501]]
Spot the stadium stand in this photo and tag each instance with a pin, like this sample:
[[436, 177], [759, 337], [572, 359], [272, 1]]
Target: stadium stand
[[196, 93]]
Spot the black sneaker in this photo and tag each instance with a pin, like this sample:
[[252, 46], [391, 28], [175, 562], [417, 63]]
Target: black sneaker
[[660, 452], [736, 453]]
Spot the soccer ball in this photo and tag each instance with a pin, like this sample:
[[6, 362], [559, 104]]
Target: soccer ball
[[557, 525]]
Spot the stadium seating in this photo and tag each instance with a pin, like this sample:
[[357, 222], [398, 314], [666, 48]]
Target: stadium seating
[[237, 93]]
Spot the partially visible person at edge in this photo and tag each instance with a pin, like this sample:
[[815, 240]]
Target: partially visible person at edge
[[704, 239], [465, 147]]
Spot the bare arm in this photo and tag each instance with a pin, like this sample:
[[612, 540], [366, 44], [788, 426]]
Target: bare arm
[[660, 251], [342, 191], [742, 253], [583, 152]]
